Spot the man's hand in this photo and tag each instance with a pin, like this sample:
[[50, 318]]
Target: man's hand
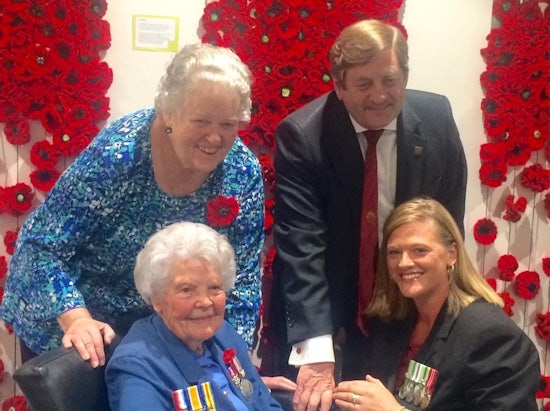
[[315, 383], [86, 335]]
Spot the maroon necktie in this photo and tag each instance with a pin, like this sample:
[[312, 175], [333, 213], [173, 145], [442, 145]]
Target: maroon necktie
[[369, 227]]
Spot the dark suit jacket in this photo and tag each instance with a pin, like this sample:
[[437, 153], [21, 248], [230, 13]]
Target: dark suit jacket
[[151, 362], [485, 361], [319, 177]]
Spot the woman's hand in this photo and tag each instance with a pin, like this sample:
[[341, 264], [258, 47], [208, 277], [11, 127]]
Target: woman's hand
[[279, 383], [367, 395], [85, 334]]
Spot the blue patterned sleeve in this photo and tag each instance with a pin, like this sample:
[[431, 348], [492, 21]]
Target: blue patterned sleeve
[[43, 280], [247, 238]]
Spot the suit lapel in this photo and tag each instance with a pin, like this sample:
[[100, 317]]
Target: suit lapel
[[341, 148], [410, 151]]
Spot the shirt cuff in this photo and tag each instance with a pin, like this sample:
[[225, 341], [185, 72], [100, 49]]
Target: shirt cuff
[[311, 351]]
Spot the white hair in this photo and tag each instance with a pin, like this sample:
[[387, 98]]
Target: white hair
[[178, 242]]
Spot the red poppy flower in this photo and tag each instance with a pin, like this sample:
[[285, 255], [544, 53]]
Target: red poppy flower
[[2, 369], [546, 266], [268, 171], [268, 216], [544, 387], [18, 198], [268, 262], [229, 355], [1, 298], [542, 327], [509, 302], [507, 264], [527, 284], [222, 211], [536, 177], [514, 210], [3, 267], [493, 175], [17, 131], [44, 178], [9, 241], [492, 283], [16, 403], [43, 154], [485, 231]]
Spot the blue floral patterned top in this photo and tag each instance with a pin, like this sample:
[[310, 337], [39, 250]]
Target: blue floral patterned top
[[78, 248]]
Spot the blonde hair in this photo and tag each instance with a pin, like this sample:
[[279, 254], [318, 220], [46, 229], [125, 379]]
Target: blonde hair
[[358, 43], [465, 282]]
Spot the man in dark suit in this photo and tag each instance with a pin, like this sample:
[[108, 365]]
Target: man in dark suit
[[319, 166]]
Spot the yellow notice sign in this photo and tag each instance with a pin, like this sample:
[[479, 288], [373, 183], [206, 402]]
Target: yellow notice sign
[[155, 33]]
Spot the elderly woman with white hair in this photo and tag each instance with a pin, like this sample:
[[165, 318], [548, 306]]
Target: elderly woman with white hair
[[185, 356]]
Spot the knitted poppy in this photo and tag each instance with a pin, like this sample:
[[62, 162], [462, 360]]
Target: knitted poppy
[[17, 131], [43, 154], [509, 302], [44, 178], [546, 266], [3, 267], [492, 283], [268, 262], [527, 284], [2, 369], [544, 387], [507, 264], [514, 210], [9, 241], [229, 355], [547, 204], [485, 231], [542, 326], [17, 199], [268, 216], [268, 171], [536, 177], [222, 211], [15, 403]]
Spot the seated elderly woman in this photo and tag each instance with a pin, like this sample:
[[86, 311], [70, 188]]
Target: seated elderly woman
[[437, 336], [185, 356]]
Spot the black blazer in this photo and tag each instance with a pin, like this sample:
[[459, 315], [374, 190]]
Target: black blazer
[[485, 361], [319, 177]]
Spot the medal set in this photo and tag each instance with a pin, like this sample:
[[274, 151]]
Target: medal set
[[194, 398], [237, 373], [418, 386]]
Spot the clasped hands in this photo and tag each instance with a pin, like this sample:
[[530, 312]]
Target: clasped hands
[[316, 391]]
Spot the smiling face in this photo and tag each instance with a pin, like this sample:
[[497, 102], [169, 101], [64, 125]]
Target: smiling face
[[205, 129], [192, 303], [417, 262], [373, 92]]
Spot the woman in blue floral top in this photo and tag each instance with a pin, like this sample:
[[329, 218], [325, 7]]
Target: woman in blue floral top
[[70, 280]]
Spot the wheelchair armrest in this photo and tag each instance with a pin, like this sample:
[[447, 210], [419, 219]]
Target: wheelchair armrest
[[60, 380]]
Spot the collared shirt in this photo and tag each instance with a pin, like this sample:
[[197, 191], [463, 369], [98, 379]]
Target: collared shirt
[[320, 349], [216, 375]]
